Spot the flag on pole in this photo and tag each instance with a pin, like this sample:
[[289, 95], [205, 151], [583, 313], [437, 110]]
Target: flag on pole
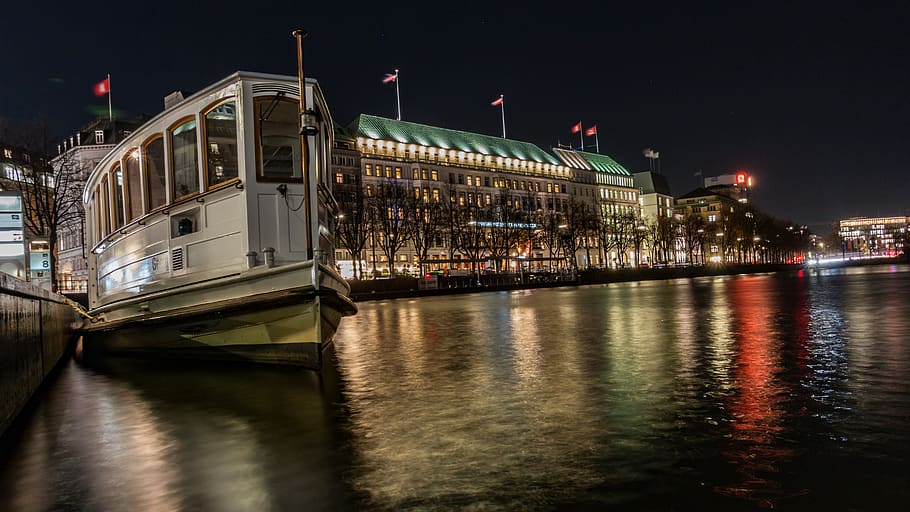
[[497, 102], [576, 128], [390, 77], [592, 131], [103, 87]]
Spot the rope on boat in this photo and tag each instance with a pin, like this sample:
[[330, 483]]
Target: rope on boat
[[78, 308]]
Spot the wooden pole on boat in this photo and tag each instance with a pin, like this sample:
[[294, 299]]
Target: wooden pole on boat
[[299, 34]]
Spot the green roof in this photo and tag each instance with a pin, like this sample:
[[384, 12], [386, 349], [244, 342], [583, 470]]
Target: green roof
[[592, 161], [381, 128], [603, 163]]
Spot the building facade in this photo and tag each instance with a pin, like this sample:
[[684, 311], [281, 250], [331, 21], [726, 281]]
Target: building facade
[[439, 165], [79, 154], [874, 236]]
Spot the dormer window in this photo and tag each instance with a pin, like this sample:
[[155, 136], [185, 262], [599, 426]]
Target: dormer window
[[99, 136]]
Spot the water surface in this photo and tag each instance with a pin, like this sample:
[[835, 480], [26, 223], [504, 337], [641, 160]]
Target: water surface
[[785, 390]]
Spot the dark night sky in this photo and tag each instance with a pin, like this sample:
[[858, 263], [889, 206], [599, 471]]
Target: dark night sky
[[813, 101]]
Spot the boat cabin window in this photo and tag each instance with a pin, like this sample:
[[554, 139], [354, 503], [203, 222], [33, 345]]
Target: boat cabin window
[[95, 212], [104, 209], [278, 148], [153, 154], [117, 199], [184, 159], [221, 144], [133, 185]]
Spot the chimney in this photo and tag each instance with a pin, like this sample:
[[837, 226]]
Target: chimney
[[172, 99], [78, 138]]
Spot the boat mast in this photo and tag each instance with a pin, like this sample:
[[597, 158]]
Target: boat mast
[[307, 127]]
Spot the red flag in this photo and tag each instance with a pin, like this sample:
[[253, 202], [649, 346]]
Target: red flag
[[103, 87], [389, 77], [497, 102], [576, 128], [591, 131]]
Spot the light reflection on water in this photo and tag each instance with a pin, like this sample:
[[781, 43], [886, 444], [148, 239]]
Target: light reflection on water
[[726, 392], [772, 391]]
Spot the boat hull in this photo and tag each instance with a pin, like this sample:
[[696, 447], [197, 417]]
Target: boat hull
[[285, 327]]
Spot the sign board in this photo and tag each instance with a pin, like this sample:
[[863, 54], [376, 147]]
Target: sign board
[[12, 243]]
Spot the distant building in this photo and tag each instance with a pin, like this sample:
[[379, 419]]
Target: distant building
[[654, 195], [737, 185], [710, 204], [28, 257], [80, 153], [874, 236]]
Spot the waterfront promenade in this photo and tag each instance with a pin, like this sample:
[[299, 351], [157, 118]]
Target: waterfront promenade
[[406, 286]]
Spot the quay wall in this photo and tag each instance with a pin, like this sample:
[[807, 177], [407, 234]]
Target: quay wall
[[36, 328]]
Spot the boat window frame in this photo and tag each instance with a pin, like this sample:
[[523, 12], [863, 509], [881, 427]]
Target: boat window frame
[[104, 207], [143, 157], [116, 222], [128, 189], [169, 155], [95, 205], [205, 149], [257, 102]]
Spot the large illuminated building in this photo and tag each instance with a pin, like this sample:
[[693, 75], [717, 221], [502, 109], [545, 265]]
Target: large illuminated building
[[874, 236], [476, 170]]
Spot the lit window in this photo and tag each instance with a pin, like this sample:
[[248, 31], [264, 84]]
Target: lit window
[[99, 136], [221, 142]]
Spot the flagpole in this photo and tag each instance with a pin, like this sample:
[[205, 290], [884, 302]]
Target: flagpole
[[397, 95], [110, 109], [581, 135], [596, 143], [502, 105]]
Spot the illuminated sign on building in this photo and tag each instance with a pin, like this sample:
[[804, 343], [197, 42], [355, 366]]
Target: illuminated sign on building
[[12, 245]]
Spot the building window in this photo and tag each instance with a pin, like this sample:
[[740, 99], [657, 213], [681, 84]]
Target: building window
[[99, 136], [434, 175], [712, 218], [339, 177]]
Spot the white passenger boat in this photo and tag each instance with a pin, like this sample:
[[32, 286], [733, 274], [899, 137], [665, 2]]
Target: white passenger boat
[[210, 229]]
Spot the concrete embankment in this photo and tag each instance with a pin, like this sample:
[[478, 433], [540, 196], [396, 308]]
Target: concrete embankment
[[36, 328], [402, 287]]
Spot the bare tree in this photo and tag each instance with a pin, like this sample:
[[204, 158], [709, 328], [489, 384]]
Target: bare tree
[[353, 222], [505, 229], [471, 237], [428, 219], [51, 192], [392, 203]]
